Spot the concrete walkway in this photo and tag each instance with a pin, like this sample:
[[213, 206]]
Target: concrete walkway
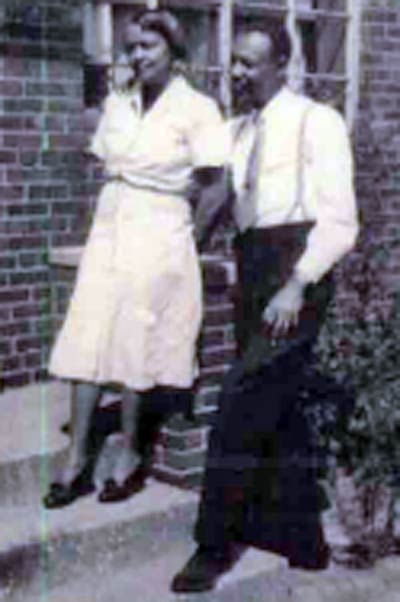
[[128, 552]]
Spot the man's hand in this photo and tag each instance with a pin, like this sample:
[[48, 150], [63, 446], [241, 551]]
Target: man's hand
[[282, 312]]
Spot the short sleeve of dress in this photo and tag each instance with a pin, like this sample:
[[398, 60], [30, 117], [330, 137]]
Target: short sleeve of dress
[[208, 140], [97, 144]]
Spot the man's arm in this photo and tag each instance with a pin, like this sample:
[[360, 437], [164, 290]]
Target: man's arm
[[212, 191], [336, 228]]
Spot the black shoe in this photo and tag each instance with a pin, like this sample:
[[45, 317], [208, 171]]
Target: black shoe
[[317, 562], [202, 570], [60, 494], [113, 492]]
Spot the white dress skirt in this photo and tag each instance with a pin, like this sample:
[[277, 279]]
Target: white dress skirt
[[136, 309], [135, 312]]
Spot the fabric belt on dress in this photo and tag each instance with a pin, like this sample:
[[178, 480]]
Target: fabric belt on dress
[[145, 186]]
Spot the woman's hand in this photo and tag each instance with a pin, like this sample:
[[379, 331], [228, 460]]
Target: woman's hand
[[282, 312]]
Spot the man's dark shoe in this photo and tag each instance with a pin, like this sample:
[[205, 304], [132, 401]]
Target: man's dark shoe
[[318, 562], [201, 572]]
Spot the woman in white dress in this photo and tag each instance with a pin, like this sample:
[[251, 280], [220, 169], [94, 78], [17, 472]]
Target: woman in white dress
[[136, 310]]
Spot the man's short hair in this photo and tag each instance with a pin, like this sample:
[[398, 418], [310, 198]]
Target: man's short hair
[[278, 34]]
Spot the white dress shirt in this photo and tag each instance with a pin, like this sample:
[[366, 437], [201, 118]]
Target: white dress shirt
[[305, 173]]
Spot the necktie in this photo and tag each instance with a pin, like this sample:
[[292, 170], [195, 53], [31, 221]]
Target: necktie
[[247, 210]]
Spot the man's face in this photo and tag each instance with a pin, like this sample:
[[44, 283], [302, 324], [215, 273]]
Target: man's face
[[254, 71]]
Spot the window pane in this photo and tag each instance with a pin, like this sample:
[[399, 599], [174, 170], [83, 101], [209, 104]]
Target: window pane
[[328, 91]]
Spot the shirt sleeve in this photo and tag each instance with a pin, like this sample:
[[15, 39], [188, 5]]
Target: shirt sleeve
[[207, 136], [336, 228]]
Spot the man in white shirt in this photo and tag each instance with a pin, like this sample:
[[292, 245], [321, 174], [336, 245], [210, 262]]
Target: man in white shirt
[[296, 215]]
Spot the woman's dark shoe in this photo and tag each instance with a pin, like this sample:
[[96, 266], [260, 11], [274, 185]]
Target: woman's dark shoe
[[114, 492], [203, 569], [60, 494]]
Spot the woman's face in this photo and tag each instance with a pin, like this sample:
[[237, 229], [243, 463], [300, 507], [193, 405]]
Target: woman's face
[[150, 56]]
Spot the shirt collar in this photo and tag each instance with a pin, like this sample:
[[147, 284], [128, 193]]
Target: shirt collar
[[281, 96], [170, 94]]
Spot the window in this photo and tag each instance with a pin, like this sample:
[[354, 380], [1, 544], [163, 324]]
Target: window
[[325, 36]]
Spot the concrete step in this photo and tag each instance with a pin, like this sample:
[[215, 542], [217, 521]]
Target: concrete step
[[40, 548], [90, 552], [258, 577], [30, 438], [34, 442]]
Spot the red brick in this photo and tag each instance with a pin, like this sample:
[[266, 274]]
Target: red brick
[[27, 242], [13, 295], [73, 238], [75, 141], [29, 343], [42, 293], [213, 337], [5, 348], [10, 193], [17, 379], [10, 364], [10, 87], [31, 310], [7, 262], [23, 141], [219, 316], [27, 210], [13, 66], [30, 277], [28, 158], [32, 360], [44, 89], [23, 105], [41, 375], [7, 156], [50, 191], [55, 123], [213, 358], [14, 328]]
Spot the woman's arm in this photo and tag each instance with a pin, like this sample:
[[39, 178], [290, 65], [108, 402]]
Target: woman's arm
[[211, 194]]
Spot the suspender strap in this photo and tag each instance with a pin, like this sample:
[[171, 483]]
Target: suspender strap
[[299, 196]]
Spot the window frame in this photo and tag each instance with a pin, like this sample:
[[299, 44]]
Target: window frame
[[100, 12]]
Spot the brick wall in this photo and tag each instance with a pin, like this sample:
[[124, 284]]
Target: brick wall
[[380, 110], [44, 189], [377, 140], [47, 187]]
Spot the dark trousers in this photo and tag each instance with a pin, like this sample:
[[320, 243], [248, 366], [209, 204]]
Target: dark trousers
[[260, 483]]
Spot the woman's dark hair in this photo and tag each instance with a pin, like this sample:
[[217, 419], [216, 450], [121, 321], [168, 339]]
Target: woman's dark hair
[[167, 25]]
